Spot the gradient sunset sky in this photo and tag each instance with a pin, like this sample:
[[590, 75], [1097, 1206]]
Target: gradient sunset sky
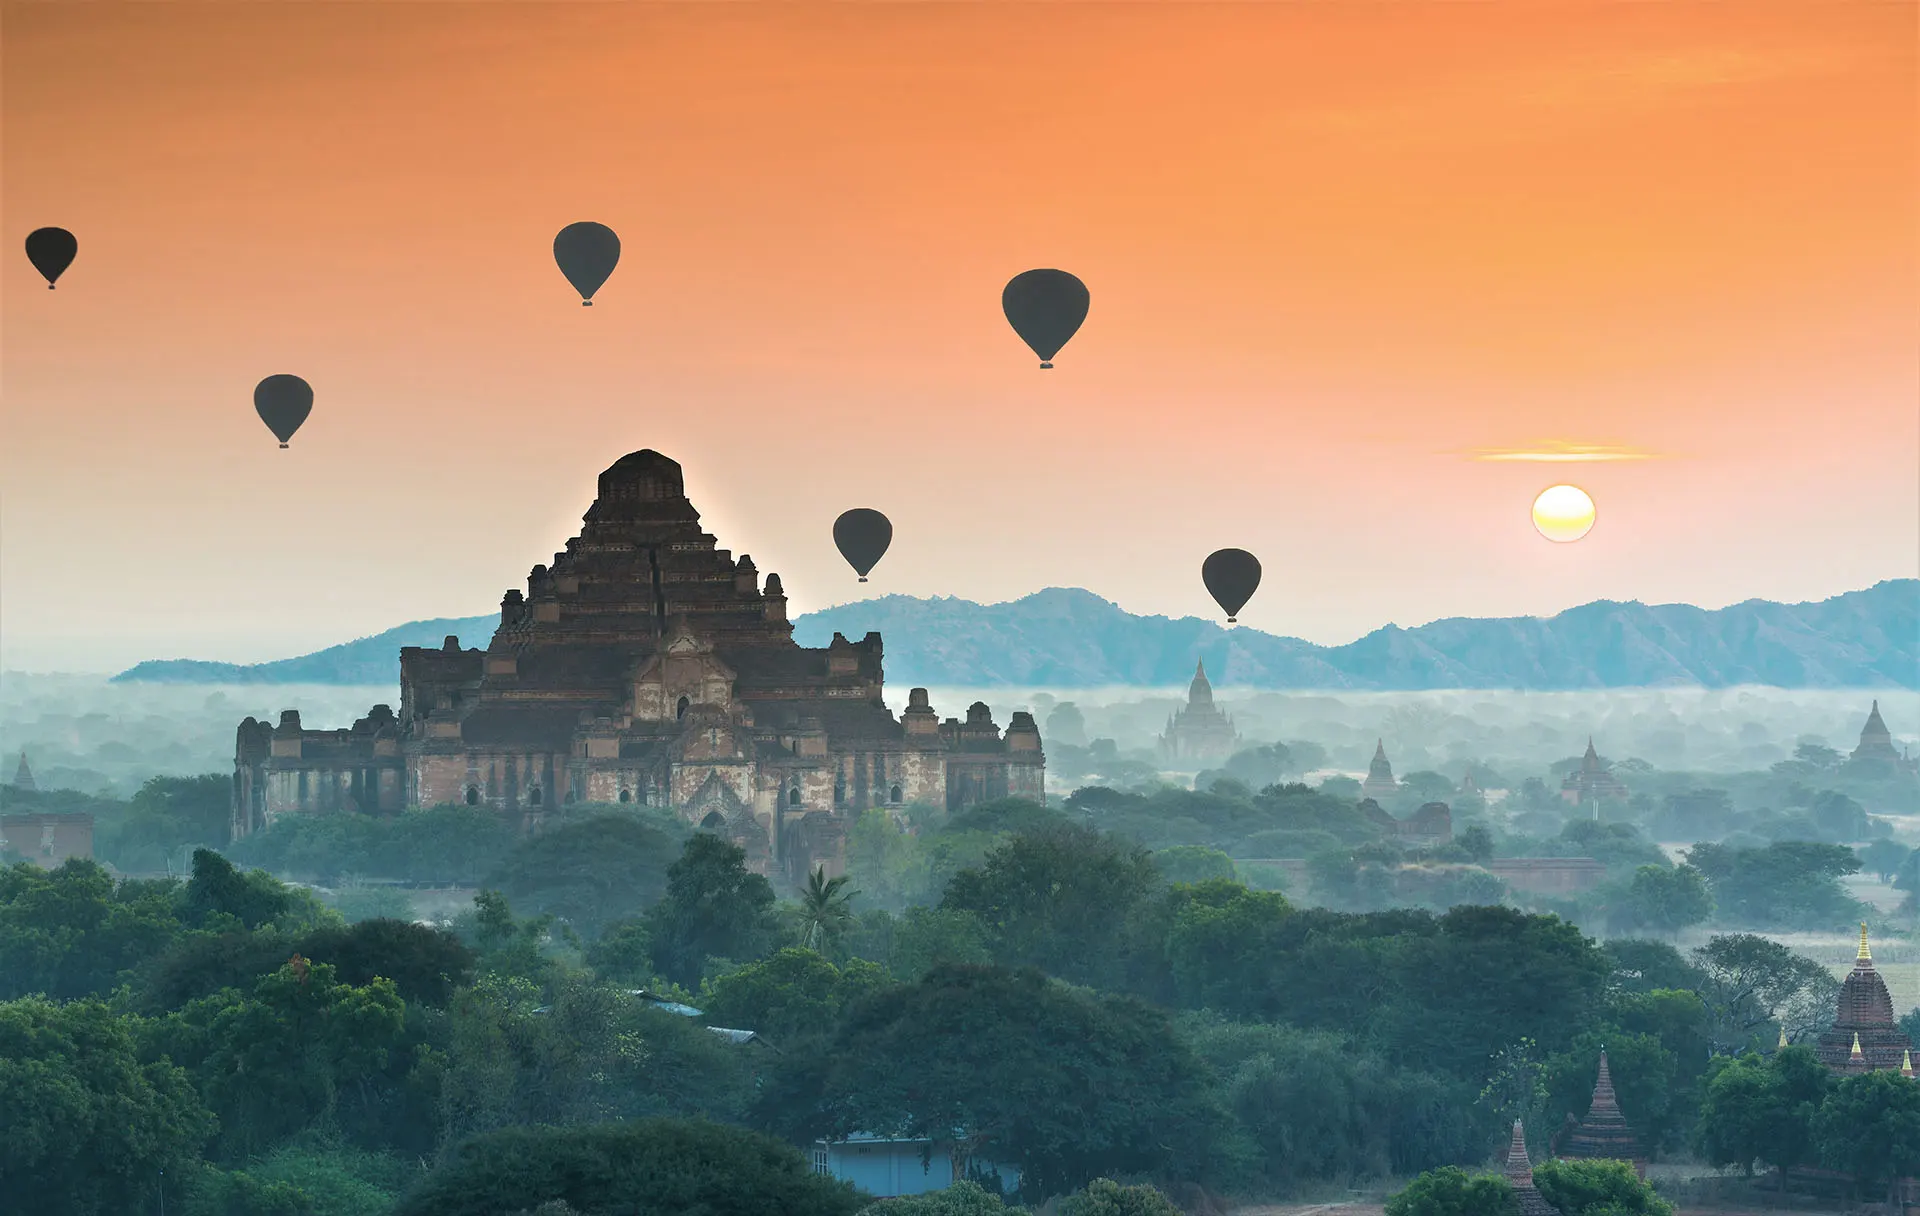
[[1339, 254]]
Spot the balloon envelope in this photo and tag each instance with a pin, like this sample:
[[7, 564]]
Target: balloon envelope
[[51, 251], [587, 254], [1045, 307], [283, 403], [1232, 576], [862, 535]]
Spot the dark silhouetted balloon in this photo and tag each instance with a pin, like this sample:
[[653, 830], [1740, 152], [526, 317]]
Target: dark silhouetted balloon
[[283, 403], [51, 251], [1232, 576], [1045, 307], [863, 536], [587, 254]]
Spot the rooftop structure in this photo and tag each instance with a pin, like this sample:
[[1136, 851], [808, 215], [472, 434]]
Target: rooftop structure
[[1864, 1036], [1592, 782], [1379, 783], [1199, 731], [1604, 1135], [1520, 1177]]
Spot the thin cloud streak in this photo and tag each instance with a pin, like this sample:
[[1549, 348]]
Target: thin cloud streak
[[1565, 453]]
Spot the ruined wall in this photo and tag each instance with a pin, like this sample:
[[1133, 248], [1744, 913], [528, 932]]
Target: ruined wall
[[48, 839]]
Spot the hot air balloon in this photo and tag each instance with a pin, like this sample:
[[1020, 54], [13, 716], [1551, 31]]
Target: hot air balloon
[[51, 251], [283, 403], [1232, 576], [587, 254], [862, 535], [1045, 307]]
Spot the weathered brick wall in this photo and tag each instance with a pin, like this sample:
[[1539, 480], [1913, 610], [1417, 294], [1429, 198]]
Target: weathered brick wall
[[48, 839]]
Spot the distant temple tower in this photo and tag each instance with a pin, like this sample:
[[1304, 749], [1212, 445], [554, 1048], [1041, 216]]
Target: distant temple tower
[[1379, 783], [1876, 753], [1864, 1036], [1592, 782], [1604, 1135], [1520, 1177], [1199, 731], [23, 776]]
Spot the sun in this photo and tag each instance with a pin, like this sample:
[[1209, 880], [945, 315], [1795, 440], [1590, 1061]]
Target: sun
[[1563, 513]]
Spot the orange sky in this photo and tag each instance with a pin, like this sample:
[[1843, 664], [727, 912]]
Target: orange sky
[[1334, 249]]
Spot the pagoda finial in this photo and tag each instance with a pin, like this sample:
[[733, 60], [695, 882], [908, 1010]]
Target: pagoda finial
[[1865, 956], [1906, 1063], [1783, 1037], [1856, 1053]]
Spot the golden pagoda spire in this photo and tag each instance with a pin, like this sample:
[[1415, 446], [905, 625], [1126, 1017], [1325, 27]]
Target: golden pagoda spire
[[1783, 1036], [1856, 1053], [1865, 956], [1906, 1063]]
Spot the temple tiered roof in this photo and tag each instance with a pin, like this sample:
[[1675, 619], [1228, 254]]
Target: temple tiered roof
[[1379, 782], [1520, 1177], [1864, 1036], [1604, 1134]]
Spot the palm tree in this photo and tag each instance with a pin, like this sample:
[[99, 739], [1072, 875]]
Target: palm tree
[[825, 908]]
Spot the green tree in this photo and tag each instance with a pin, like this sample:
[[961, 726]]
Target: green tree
[[649, 1165], [1667, 899], [826, 910], [1451, 1191], [73, 932], [218, 889], [1062, 899], [1191, 864], [1787, 885], [1762, 1111], [926, 937], [274, 1061], [794, 994], [1064, 1083], [1883, 858], [1220, 937], [1754, 982], [1597, 1188], [590, 1053], [1105, 1197], [1869, 1126], [963, 1198], [591, 872], [88, 1129], [623, 952], [714, 908]]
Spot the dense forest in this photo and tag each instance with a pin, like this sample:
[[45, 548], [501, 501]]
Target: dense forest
[[1096, 1004]]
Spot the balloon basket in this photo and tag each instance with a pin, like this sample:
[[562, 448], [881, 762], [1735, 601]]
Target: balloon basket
[[1046, 367], [1233, 620], [49, 287], [863, 578], [586, 303], [283, 447]]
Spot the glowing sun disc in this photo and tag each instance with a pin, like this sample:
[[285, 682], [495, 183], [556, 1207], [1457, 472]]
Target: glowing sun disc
[[1563, 513]]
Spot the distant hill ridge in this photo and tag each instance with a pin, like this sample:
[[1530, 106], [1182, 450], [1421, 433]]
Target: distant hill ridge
[[1070, 638]]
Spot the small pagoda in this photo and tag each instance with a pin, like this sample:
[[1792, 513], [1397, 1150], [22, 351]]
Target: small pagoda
[[1864, 1036], [1520, 1177], [1379, 783], [1604, 1134]]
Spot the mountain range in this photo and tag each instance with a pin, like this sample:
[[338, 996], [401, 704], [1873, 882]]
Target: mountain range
[[1070, 638]]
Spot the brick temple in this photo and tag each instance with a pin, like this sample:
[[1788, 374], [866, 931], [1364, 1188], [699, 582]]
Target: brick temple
[[645, 666], [1864, 1036], [1604, 1134]]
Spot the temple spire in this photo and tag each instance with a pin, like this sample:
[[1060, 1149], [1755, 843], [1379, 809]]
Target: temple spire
[[1783, 1037], [1865, 955], [23, 776], [1906, 1063], [1518, 1164], [1857, 1054]]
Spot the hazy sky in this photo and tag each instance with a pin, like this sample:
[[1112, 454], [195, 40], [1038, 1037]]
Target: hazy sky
[[1337, 253]]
